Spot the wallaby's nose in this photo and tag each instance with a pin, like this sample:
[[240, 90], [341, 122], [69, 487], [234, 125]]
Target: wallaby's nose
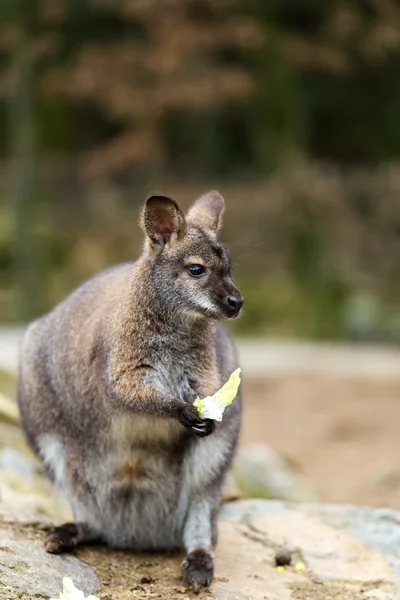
[[235, 302]]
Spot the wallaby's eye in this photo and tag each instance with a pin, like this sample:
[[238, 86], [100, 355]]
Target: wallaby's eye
[[196, 270]]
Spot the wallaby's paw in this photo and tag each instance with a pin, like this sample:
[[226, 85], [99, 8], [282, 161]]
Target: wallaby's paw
[[189, 417], [61, 539], [203, 428], [199, 569]]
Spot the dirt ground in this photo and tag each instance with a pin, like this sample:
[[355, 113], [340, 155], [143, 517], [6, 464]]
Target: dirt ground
[[342, 435]]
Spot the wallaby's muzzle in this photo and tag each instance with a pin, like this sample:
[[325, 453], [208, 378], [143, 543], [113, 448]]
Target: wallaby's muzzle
[[231, 301], [234, 303]]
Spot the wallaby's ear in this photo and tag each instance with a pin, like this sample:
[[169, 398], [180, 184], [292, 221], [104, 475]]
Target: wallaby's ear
[[207, 211], [162, 220]]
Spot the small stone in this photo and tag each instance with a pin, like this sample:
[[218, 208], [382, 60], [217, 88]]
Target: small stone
[[283, 557], [146, 580], [148, 563]]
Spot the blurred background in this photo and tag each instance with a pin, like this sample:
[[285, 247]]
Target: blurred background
[[291, 110]]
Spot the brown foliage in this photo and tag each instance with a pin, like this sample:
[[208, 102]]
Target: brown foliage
[[136, 82]]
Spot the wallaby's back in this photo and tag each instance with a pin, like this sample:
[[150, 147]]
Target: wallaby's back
[[61, 350]]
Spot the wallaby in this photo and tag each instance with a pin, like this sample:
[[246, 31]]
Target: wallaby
[[106, 387]]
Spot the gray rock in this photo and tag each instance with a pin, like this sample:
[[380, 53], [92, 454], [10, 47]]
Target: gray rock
[[15, 462], [229, 595], [262, 473], [30, 504], [27, 570], [230, 489], [340, 545]]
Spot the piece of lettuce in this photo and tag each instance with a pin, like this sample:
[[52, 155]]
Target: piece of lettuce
[[212, 407], [70, 592]]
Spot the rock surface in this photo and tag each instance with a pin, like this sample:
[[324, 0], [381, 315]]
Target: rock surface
[[344, 553], [16, 463], [348, 552], [27, 570]]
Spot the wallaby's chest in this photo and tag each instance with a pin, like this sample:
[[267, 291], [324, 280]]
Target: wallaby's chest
[[187, 374], [143, 448]]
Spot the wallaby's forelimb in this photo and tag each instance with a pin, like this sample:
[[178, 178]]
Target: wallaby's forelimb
[[144, 398]]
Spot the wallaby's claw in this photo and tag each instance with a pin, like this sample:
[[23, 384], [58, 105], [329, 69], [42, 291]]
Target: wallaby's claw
[[203, 428], [199, 569]]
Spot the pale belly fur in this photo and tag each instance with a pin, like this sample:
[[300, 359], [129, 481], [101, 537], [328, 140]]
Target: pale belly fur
[[140, 485]]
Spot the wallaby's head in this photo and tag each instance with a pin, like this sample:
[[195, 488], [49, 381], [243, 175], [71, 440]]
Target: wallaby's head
[[189, 268]]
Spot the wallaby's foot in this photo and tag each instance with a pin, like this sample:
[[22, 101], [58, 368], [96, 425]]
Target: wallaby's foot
[[62, 539], [189, 417], [66, 537], [199, 569]]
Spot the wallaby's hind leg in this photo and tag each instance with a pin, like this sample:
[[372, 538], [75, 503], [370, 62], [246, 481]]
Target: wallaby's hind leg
[[200, 537], [66, 537]]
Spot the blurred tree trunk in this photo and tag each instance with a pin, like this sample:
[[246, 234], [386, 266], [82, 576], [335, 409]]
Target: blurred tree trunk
[[21, 112]]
